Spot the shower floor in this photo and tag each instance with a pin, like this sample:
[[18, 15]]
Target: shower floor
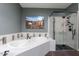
[[63, 47]]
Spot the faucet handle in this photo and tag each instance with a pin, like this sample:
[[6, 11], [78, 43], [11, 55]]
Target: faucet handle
[[45, 35], [33, 35], [21, 35], [13, 37], [5, 52], [39, 35], [18, 36]]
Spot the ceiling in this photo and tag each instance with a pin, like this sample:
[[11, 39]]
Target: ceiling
[[45, 5]]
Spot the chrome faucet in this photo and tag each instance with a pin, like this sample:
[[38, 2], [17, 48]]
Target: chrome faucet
[[5, 52], [45, 35], [13, 37], [39, 35], [4, 40], [28, 37]]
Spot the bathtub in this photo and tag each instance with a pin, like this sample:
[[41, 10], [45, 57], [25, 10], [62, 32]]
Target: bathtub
[[36, 46]]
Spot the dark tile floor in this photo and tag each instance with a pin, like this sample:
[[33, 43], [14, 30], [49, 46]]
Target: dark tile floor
[[63, 47], [63, 53], [63, 50]]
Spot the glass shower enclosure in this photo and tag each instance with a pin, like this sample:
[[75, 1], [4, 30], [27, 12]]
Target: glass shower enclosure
[[63, 29]]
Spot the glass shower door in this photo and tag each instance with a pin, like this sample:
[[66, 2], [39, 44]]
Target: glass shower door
[[65, 32], [59, 32]]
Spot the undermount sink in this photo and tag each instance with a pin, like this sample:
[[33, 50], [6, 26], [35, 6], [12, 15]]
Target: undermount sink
[[17, 44]]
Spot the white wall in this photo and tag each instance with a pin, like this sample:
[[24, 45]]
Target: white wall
[[50, 26]]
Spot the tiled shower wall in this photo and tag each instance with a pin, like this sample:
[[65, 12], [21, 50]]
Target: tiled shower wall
[[68, 40]]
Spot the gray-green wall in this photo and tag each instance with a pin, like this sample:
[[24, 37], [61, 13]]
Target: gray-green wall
[[73, 8], [10, 18], [37, 12]]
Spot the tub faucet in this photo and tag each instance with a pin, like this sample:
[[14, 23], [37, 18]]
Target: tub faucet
[[5, 52]]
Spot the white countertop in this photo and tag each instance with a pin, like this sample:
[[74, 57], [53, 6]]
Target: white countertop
[[16, 51]]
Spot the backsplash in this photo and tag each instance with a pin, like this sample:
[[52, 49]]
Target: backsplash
[[22, 35]]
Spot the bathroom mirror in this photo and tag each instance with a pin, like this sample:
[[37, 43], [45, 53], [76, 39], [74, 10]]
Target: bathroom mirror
[[34, 22]]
